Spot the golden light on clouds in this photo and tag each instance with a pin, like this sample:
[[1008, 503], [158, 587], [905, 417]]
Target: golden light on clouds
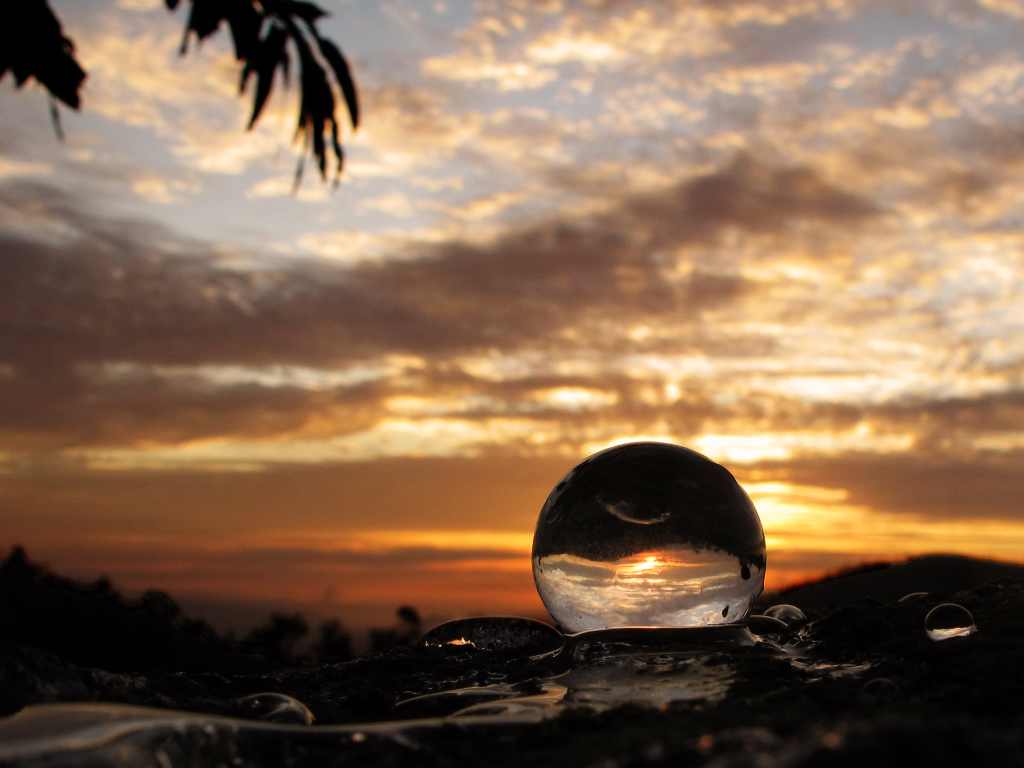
[[785, 234]]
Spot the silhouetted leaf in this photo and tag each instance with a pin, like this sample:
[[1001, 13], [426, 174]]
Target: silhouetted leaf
[[286, 67], [344, 76], [62, 76], [309, 12], [55, 119], [316, 107], [339, 151], [300, 166], [205, 17], [245, 23], [247, 71], [269, 54], [35, 48]]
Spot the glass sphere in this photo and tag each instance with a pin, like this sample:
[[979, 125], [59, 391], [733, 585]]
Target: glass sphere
[[648, 534]]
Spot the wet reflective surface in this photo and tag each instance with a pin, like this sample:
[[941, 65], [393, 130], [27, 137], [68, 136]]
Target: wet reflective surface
[[860, 684], [648, 534], [477, 684], [507, 634], [593, 671]]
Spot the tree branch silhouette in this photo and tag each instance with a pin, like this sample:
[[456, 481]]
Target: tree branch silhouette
[[262, 32]]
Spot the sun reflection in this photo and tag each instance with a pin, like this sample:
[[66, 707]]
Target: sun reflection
[[681, 587], [650, 563]]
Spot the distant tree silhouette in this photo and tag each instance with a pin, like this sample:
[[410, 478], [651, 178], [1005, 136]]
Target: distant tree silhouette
[[34, 46], [94, 626], [404, 634], [277, 640], [334, 643]]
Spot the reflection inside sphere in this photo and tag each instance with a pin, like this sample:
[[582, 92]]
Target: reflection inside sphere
[[648, 534]]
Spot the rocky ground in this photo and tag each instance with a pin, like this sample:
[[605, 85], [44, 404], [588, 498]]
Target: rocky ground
[[860, 684]]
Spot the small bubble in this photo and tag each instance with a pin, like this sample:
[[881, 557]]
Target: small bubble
[[760, 624], [911, 597], [790, 615], [881, 689], [947, 621], [275, 708]]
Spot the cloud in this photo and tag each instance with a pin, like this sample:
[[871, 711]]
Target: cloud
[[163, 191], [95, 309], [10, 168], [408, 126], [130, 290], [928, 488]]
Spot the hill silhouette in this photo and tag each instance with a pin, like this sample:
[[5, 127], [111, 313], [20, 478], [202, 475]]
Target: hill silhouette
[[91, 624], [887, 582], [861, 684]]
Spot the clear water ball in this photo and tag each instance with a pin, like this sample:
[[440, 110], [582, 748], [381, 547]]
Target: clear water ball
[[947, 621], [648, 534]]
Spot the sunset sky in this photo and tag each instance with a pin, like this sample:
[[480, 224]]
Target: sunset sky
[[788, 234]]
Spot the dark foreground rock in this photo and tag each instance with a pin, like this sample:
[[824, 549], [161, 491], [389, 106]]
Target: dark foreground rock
[[859, 685]]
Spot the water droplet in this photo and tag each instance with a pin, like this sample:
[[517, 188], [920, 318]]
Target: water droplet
[[494, 633], [912, 597], [648, 534], [789, 614], [275, 708], [881, 689], [947, 621]]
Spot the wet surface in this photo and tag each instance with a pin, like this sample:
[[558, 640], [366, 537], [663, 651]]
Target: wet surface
[[860, 682]]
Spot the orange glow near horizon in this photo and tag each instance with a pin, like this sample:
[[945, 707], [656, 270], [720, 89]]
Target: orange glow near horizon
[[788, 235]]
